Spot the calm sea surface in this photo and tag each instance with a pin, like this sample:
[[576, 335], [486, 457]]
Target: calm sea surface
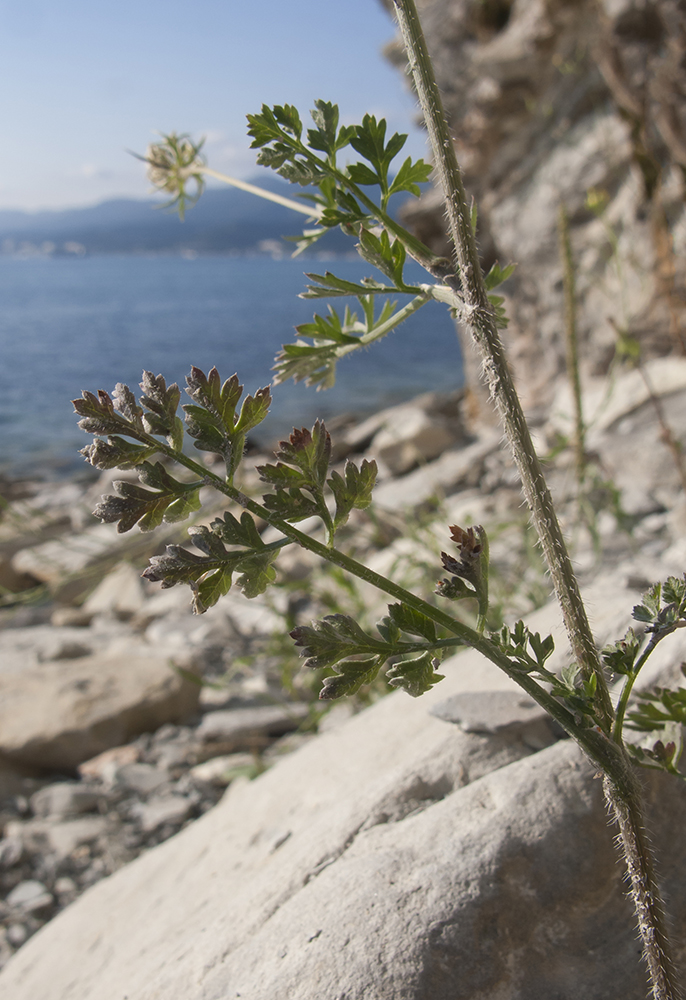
[[73, 324]]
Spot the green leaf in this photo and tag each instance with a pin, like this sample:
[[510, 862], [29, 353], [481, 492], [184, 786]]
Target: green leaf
[[257, 572], [517, 642], [216, 584], [361, 174], [99, 416], [661, 756], [328, 285], [388, 630], [619, 657], [161, 403], [334, 638], [325, 117], [234, 532], [410, 176], [287, 116], [369, 141], [416, 675], [542, 648], [116, 453], [210, 574], [353, 491], [354, 673], [674, 592], [329, 329], [497, 275], [171, 501], [309, 451], [412, 621], [125, 401], [292, 505], [650, 609], [212, 419], [660, 706], [497, 303], [300, 172], [388, 257], [253, 411]]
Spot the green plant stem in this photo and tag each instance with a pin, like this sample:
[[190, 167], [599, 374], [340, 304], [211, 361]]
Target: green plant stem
[[622, 788], [380, 331], [314, 211], [620, 711], [481, 320], [596, 744], [572, 346]]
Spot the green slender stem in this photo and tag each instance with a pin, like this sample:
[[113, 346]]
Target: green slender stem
[[620, 711], [380, 331], [483, 327], [571, 340], [313, 212]]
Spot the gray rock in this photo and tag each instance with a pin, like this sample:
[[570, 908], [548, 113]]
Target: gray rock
[[501, 713], [119, 593], [58, 714], [165, 810], [458, 468], [53, 560], [219, 771], [238, 725], [412, 437], [65, 886], [63, 838], [30, 897], [11, 850], [64, 798], [17, 935], [140, 778]]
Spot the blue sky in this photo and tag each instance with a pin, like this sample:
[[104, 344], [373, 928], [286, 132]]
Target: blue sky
[[85, 80]]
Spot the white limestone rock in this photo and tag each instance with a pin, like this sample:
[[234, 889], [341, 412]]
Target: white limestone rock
[[59, 713]]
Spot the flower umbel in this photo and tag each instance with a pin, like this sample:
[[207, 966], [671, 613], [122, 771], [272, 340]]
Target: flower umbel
[[172, 163]]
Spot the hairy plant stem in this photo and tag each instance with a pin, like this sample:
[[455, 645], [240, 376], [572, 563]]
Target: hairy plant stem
[[627, 810], [496, 370], [622, 788], [385, 328]]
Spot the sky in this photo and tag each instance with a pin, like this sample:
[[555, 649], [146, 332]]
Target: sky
[[86, 80]]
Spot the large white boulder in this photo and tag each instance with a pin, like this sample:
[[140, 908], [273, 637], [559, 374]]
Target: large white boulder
[[396, 857]]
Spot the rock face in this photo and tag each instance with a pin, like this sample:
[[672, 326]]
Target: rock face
[[549, 101], [397, 857]]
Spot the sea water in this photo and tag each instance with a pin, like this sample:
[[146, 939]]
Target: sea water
[[87, 323]]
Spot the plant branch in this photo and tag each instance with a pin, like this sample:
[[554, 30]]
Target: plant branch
[[596, 744]]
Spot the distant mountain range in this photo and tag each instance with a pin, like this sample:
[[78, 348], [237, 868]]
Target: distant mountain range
[[224, 220]]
